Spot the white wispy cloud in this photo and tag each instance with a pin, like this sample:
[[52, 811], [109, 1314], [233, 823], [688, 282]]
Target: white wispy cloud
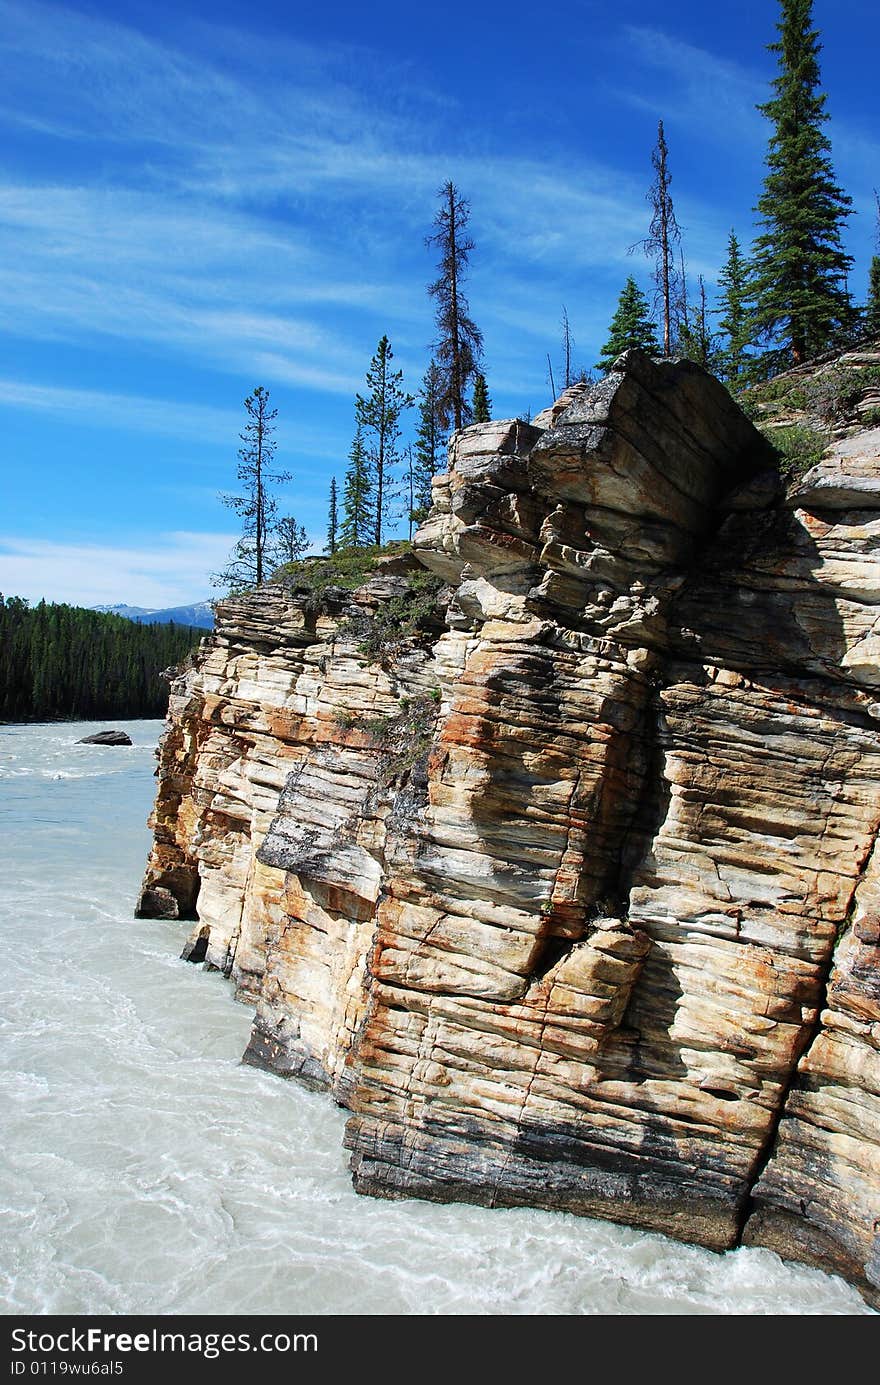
[[715, 98], [197, 422], [194, 423], [695, 88], [171, 570], [234, 201]]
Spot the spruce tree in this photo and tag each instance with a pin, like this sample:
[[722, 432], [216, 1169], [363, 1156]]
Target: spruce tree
[[734, 317], [65, 661], [332, 518], [429, 454], [801, 300], [872, 309], [378, 415], [481, 405], [630, 327], [256, 507], [459, 344], [358, 517]]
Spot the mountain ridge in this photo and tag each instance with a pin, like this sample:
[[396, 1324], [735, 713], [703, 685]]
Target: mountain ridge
[[199, 614]]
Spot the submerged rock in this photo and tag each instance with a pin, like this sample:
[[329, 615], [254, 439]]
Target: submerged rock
[[106, 738], [572, 902]]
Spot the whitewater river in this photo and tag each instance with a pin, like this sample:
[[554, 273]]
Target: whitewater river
[[146, 1171]]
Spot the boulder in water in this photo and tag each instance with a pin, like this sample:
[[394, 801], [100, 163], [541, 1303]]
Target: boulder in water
[[106, 738]]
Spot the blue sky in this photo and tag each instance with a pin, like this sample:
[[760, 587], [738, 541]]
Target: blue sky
[[196, 199]]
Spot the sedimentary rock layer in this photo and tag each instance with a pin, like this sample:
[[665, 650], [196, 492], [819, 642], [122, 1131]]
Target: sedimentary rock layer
[[572, 899]]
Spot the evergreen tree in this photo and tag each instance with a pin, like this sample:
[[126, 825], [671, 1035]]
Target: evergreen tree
[[290, 541], [356, 530], [410, 481], [872, 309], [256, 508], [481, 406], [734, 317], [66, 662], [332, 518], [378, 415], [428, 456], [664, 235], [459, 344], [630, 327], [801, 300]]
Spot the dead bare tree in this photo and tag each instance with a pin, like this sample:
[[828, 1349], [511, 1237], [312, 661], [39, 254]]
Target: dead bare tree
[[664, 235]]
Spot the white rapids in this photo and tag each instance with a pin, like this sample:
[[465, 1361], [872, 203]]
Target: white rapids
[[147, 1171]]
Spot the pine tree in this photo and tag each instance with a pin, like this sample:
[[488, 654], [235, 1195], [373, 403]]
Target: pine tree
[[459, 344], [356, 530], [378, 415], [256, 508], [801, 300], [872, 309], [630, 327], [65, 661], [481, 405], [664, 235], [734, 317], [428, 455], [290, 541], [332, 518]]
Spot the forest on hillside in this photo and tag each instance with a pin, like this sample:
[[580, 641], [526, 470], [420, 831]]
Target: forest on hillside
[[60, 662]]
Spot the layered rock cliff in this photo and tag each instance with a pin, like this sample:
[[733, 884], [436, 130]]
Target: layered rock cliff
[[568, 891]]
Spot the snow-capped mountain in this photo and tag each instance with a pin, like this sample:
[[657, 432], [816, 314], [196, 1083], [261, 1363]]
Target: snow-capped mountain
[[199, 614]]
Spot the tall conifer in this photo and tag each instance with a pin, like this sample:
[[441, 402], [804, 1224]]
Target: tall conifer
[[257, 509], [872, 310], [801, 300], [733, 315], [631, 326], [428, 456], [358, 516], [378, 415], [481, 406], [459, 343], [332, 517]]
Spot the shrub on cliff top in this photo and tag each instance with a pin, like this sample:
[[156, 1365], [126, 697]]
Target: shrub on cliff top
[[384, 635], [346, 569]]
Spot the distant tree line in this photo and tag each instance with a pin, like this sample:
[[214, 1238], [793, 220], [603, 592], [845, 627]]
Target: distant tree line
[[60, 662]]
